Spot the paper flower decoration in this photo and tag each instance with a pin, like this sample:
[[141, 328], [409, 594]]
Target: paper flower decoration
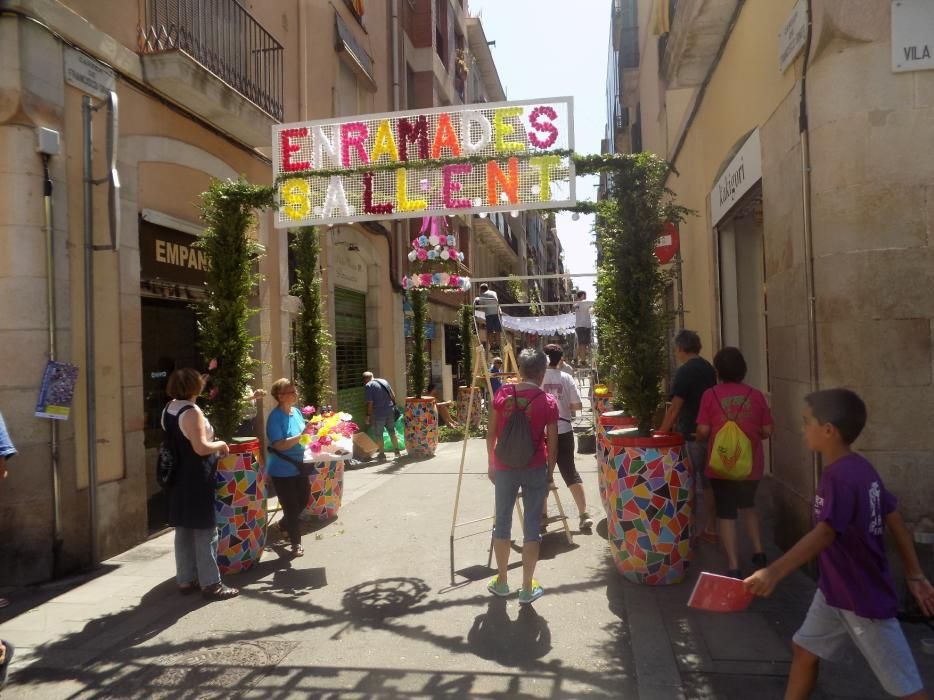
[[212, 365], [308, 411], [600, 390]]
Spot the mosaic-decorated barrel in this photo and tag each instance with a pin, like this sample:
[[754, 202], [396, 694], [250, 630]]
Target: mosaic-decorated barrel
[[327, 487], [421, 427], [600, 405], [650, 519], [240, 508], [463, 399], [609, 420]]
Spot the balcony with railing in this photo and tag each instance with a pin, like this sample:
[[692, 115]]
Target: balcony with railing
[[215, 59], [697, 30]]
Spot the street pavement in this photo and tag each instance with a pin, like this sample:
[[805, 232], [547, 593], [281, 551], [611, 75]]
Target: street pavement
[[370, 611]]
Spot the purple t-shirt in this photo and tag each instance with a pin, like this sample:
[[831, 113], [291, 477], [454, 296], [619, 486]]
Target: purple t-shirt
[[854, 570]]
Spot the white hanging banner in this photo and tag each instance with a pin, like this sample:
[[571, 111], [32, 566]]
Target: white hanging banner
[[559, 324], [466, 159]]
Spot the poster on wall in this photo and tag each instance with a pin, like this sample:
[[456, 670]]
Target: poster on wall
[[57, 390], [468, 159]]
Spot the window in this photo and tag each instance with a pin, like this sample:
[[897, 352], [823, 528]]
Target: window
[[348, 91]]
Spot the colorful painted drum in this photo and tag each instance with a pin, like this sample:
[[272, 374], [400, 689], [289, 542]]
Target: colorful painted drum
[[601, 404], [240, 508], [421, 426], [327, 487], [609, 420], [463, 398], [649, 522]]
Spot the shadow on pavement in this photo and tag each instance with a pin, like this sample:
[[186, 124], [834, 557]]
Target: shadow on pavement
[[518, 642]]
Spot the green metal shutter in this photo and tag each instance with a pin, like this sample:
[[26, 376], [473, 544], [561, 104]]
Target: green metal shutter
[[350, 351]]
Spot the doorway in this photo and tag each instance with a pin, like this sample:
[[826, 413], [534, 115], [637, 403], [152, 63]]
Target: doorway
[[350, 351]]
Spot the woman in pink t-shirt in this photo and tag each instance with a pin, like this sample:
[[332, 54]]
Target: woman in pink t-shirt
[[541, 411], [731, 399]]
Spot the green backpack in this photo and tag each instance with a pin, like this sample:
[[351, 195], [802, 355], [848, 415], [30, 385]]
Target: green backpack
[[731, 453]]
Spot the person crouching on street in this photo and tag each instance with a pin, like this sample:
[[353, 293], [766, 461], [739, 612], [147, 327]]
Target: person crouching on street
[[541, 413], [284, 429]]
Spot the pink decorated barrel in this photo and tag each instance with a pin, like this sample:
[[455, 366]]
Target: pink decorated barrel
[[463, 399], [327, 488], [609, 420], [421, 426], [240, 508], [649, 522]]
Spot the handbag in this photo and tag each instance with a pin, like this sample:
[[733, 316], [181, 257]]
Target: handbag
[[167, 459], [304, 468], [396, 411]]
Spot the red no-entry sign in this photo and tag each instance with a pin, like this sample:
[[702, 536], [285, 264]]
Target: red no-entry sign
[[669, 242]]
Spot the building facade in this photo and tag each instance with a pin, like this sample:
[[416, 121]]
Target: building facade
[[198, 85], [798, 149]]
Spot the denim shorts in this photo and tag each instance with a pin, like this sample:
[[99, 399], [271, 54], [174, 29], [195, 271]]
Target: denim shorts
[[534, 484], [881, 642], [378, 423]]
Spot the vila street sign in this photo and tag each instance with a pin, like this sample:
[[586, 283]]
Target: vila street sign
[[912, 35], [506, 156]]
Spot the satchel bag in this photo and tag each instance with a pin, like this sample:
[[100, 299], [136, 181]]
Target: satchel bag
[[396, 412], [304, 468]]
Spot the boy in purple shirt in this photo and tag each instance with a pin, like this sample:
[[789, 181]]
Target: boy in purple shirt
[[856, 593]]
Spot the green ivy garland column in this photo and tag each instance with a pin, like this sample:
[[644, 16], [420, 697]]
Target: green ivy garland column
[[467, 343], [631, 322], [418, 360], [228, 210], [312, 340]]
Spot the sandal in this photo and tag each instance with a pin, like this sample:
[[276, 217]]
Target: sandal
[[186, 588], [297, 551], [220, 592]]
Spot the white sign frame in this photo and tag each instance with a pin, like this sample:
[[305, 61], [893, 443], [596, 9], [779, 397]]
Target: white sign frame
[[743, 172], [88, 74], [912, 35], [793, 36], [565, 184]]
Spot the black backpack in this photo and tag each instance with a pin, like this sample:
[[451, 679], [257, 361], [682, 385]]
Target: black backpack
[[167, 461], [515, 446]]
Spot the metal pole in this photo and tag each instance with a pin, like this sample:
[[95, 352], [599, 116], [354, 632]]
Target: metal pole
[[89, 360], [53, 424]]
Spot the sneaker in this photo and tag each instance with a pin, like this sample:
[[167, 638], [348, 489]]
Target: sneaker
[[759, 561], [586, 522], [381, 457], [527, 597], [497, 587]]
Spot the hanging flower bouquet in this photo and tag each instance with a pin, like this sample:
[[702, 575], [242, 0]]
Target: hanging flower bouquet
[[327, 431], [435, 247]]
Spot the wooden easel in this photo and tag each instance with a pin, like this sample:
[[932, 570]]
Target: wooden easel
[[482, 372]]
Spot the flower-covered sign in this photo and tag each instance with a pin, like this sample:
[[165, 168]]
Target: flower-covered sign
[[504, 156]]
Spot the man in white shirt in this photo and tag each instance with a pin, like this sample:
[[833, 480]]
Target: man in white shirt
[[583, 310], [563, 387], [488, 303]]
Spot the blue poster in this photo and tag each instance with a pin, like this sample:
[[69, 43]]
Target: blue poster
[[57, 391]]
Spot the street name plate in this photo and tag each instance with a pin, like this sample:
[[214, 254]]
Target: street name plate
[[87, 74], [912, 35]]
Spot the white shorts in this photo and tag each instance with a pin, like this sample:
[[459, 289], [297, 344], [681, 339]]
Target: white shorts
[[881, 642]]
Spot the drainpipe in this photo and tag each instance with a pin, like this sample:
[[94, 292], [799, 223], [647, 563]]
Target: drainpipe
[[90, 388], [53, 424], [813, 375]]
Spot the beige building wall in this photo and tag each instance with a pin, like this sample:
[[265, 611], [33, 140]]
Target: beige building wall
[[871, 226]]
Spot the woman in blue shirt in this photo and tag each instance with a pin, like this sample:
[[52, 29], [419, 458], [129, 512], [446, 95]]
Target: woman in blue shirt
[[284, 429]]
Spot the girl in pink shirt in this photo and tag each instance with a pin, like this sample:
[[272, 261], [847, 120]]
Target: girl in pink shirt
[[733, 400]]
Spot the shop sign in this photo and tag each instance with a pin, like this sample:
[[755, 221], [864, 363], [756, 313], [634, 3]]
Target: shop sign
[[170, 256], [87, 74], [912, 35], [793, 36], [744, 171], [468, 159]]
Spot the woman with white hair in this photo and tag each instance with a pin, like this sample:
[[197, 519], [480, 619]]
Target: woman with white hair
[[523, 450]]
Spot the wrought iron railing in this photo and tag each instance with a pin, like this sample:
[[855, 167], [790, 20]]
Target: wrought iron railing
[[223, 37]]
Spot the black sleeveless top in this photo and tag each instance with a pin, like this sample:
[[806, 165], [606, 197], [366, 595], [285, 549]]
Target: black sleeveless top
[[191, 497]]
